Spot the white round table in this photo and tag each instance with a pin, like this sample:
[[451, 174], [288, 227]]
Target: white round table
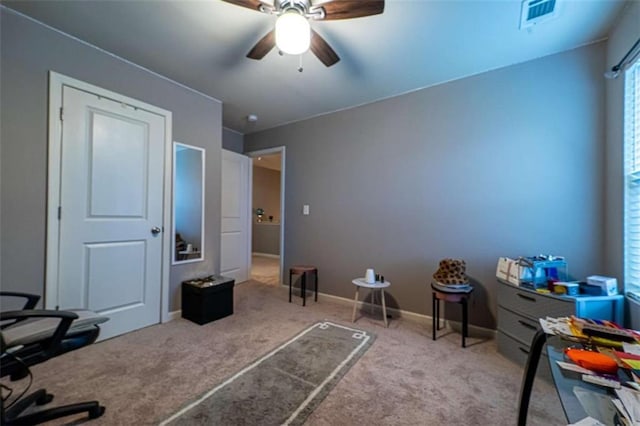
[[361, 282]]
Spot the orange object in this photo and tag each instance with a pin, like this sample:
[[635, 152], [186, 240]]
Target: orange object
[[593, 361]]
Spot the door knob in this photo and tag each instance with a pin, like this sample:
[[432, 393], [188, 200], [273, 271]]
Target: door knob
[[155, 230]]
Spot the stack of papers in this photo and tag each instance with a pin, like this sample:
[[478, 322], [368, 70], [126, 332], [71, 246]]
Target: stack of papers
[[631, 348], [629, 359], [628, 406], [626, 401], [556, 326]]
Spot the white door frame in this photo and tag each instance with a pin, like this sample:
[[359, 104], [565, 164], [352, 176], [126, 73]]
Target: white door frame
[[282, 151], [56, 85]]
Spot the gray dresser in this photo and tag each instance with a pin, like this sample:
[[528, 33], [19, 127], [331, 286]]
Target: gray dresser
[[520, 308]]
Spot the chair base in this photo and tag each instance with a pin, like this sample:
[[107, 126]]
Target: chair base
[[41, 397]]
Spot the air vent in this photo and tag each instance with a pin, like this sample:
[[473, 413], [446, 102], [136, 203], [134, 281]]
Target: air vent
[[536, 11]]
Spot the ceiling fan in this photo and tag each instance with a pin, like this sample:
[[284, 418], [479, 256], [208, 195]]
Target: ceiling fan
[[293, 33]]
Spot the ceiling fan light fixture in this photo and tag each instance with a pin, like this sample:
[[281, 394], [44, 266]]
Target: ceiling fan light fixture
[[293, 33]]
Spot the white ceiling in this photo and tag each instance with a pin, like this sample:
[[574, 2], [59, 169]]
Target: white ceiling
[[414, 44]]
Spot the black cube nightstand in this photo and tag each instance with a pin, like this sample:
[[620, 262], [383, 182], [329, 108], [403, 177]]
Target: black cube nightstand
[[207, 299]]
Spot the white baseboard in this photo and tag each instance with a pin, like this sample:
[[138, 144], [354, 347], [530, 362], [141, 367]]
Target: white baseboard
[[474, 330], [175, 315], [272, 256]]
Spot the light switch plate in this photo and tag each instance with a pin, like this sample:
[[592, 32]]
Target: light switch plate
[[305, 209]]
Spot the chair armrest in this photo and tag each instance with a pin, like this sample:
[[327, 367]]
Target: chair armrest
[[32, 299], [51, 345], [37, 313]]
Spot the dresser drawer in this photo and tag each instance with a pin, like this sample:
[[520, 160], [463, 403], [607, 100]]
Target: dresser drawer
[[532, 304], [518, 353], [511, 348], [517, 326]]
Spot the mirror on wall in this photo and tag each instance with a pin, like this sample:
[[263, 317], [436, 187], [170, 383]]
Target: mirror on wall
[[188, 203]]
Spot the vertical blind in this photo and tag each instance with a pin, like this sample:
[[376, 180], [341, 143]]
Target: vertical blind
[[632, 179]]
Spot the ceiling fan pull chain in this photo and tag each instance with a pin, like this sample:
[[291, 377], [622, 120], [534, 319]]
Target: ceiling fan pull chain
[[300, 69]]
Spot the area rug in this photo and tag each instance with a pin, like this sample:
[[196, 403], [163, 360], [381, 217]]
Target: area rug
[[284, 386]]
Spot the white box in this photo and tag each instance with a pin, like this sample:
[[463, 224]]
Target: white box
[[502, 270], [511, 271], [508, 270], [608, 285]]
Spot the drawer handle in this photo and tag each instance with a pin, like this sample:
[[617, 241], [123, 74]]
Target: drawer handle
[[523, 350], [529, 298], [527, 325]]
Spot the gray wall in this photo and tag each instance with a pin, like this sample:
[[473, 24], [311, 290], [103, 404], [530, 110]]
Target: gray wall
[[266, 192], [624, 34], [504, 163], [29, 51], [232, 140], [265, 238]]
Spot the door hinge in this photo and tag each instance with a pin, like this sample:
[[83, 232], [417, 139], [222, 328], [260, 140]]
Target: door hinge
[[61, 114], [59, 212]]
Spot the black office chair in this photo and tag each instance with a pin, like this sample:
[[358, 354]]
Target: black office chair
[[30, 303], [29, 337]]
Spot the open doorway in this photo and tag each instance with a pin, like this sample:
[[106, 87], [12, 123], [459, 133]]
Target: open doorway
[[267, 221]]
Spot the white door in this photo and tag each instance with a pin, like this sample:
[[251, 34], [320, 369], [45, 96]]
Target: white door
[[235, 258], [111, 198]]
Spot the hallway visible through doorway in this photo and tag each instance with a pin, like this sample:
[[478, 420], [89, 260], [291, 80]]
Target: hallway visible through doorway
[[265, 269], [267, 222]]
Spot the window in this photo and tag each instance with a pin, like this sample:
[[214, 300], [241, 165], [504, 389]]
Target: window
[[632, 179]]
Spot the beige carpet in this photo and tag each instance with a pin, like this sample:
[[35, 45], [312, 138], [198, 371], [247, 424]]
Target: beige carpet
[[265, 270], [404, 379], [284, 386]]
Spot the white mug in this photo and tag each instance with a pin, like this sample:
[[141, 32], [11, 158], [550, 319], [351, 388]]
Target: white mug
[[189, 247], [370, 276]]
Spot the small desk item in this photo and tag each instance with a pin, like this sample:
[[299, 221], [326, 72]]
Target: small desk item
[[361, 282], [303, 270], [454, 294]]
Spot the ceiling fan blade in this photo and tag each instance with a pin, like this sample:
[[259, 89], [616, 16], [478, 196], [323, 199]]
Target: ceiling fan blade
[[264, 46], [322, 50], [249, 4], [347, 9]]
